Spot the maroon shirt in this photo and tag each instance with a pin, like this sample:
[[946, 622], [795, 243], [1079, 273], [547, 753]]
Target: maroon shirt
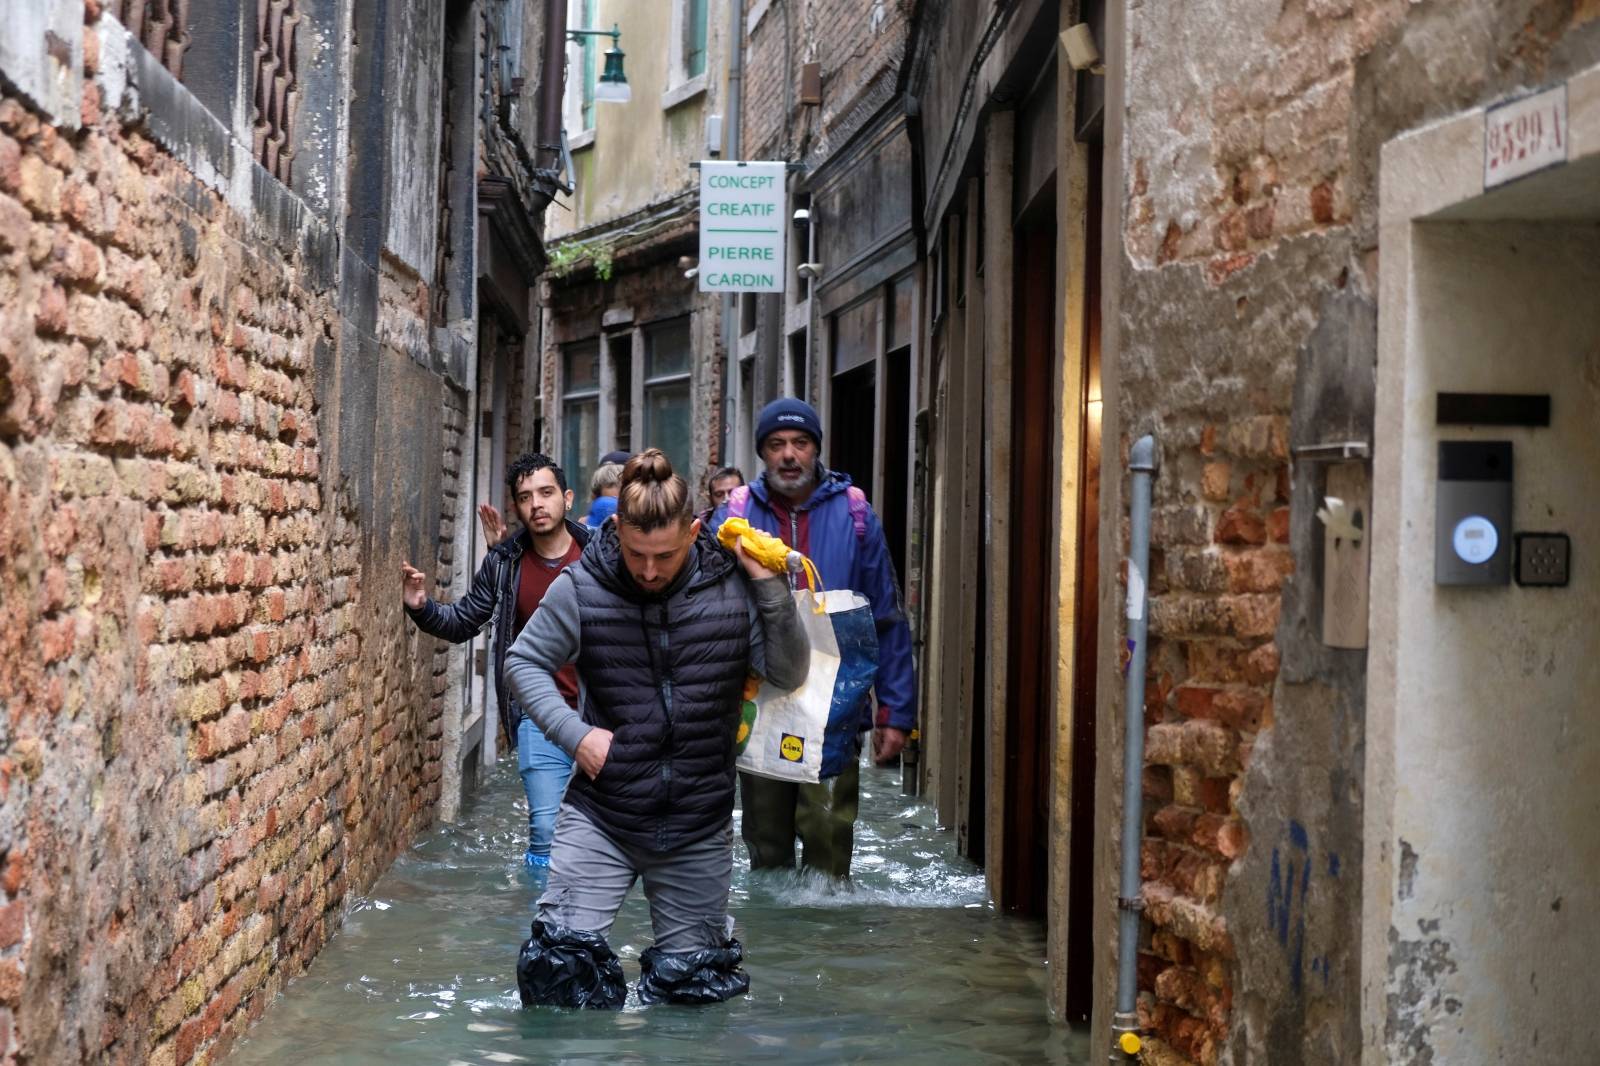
[[535, 573]]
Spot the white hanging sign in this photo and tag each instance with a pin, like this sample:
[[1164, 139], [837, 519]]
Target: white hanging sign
[[742, 227], [1524, 136]]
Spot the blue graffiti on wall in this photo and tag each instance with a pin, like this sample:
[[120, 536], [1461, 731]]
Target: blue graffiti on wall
[[1287, 900]]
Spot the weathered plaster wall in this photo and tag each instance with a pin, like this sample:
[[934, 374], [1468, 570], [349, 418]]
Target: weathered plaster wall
[[642, 149], [1492, 930]]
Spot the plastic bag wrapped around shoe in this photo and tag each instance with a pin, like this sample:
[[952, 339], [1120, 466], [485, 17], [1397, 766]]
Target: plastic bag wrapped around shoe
[[561, 967], [709, 975]]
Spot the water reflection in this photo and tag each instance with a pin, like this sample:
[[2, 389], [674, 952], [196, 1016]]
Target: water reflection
[[906, 962]]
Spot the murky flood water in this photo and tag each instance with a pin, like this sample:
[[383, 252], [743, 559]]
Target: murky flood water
[[907, 964]]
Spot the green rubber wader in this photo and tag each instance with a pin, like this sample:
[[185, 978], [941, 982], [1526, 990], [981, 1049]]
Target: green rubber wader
[[822, 816]]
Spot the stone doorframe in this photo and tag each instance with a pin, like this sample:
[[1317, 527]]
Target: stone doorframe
[[1435, 175]]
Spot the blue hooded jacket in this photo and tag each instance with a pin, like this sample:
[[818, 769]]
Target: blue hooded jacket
[[825, 529]]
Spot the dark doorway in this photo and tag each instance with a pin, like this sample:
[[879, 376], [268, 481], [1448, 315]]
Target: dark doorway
[[977, 837], [850, 442], [1029, 669], [891, 502], [1080, 880]]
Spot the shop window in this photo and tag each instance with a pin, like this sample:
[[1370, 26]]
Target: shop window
[[666, 392], [580, 413], [622, 396]]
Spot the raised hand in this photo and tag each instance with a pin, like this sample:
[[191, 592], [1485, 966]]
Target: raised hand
[[413, 586], [494, 526]]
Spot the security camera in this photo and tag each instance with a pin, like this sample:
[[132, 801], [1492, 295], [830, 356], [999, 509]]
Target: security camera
[[802, 217], [1082, 51], [809, 271]]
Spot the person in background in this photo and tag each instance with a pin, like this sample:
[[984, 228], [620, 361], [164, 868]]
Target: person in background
[[721, 481], [665, 626], [603, 486], [513, 578], [819, 513]]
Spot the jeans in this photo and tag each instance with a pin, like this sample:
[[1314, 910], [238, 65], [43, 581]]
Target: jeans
[[545, 771]]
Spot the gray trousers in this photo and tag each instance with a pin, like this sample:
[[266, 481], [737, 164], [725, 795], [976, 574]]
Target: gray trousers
[[590, 875]]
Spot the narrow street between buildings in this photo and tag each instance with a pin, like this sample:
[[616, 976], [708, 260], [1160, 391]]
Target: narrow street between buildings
[[909, 963]]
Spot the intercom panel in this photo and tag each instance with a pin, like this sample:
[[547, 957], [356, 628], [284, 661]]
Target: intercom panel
[[1472, 531]]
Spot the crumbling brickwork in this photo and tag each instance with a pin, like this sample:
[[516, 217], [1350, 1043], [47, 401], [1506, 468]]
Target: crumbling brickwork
[[1247, 323], [215, 729]]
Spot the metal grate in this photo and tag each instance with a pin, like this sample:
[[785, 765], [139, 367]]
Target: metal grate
[[276, 88], [162, 26]]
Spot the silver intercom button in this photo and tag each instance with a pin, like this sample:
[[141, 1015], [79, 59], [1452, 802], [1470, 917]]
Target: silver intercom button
[[1475, 539]]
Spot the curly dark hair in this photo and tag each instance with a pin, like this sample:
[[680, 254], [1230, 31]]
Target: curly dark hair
[[530, 463]]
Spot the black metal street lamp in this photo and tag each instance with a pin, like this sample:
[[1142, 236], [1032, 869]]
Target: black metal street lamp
[[613, 85]]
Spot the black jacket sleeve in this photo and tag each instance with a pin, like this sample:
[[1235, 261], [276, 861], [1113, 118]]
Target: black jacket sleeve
[[464, 619]]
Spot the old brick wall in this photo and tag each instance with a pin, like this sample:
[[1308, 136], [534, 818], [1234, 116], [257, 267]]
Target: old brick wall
[[859, 44], [217, 723], [1248, 327]]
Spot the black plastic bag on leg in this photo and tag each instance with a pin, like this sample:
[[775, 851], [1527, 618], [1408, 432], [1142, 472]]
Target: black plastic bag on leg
[[561, 967], [709, 975]]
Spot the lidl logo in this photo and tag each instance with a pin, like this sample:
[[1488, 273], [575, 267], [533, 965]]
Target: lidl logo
[[792, 748]]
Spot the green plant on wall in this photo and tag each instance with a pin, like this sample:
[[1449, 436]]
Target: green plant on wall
[[568, 257]]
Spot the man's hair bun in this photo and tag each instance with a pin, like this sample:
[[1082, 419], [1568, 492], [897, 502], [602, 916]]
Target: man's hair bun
[[652, 494]]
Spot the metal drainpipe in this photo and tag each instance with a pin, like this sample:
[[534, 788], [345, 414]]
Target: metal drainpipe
[[1142, 463], [730, 323], [552, 81]]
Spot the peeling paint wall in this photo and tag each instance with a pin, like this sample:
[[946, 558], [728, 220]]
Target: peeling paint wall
[[638, 153], [1494, 757]]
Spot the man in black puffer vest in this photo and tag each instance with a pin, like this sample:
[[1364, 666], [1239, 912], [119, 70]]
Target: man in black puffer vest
[[665, 626]]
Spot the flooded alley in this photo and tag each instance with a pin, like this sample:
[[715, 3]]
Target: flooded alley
[[1187, 412], [910, 963]]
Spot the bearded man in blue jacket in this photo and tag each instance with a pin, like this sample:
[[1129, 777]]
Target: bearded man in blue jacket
[[819, 513]]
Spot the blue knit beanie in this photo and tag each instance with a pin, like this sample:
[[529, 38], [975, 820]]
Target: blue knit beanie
[[788, 413]]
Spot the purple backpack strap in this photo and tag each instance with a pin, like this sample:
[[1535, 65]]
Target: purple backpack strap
[[739, 502], [858, 510]]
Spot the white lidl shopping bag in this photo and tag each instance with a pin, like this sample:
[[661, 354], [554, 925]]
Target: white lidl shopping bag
[[810, 733]]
